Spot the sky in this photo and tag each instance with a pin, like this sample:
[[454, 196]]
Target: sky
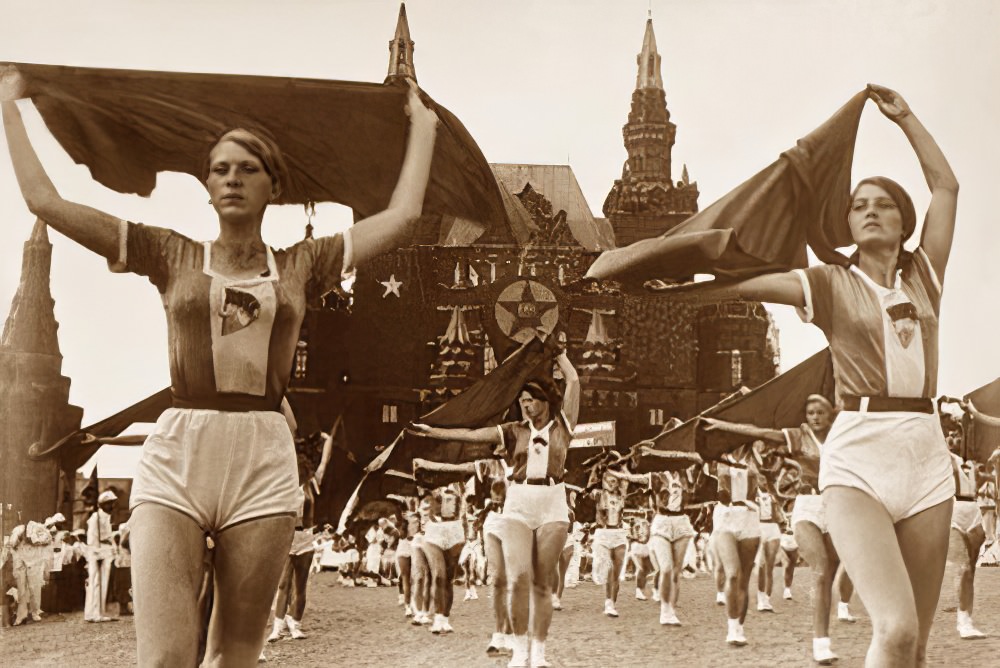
[[535, 82]]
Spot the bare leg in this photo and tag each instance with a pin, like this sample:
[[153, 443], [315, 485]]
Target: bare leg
[[617, 562], [817, 549], [168, 550], [765, 574], [679, 549], [793, 560], [248, 563], [873, 552], [420, 581], [403, 565], [438, 577], [518, 548], [550, 539], [451, 556], [498, 574]]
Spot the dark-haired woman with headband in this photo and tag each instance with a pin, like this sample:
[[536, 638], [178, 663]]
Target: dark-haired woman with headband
[[536, 517], [886, 474], [221, 461]]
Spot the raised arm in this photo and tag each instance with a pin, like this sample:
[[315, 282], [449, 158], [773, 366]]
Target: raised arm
[[571, 397], [324, 459], [88, 227], [482, 435], [939, 225], [386, 230]]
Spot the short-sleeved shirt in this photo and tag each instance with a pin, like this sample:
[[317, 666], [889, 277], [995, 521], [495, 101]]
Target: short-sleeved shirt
[[804, 448], [884, 341], [232, 341], [516, 439]]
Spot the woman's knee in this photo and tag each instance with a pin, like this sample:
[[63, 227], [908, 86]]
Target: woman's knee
[[897, 636]]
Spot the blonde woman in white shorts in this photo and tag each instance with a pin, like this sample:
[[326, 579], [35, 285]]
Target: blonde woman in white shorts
[[221, 461], [886, 474], [669, 535], [536, 518]]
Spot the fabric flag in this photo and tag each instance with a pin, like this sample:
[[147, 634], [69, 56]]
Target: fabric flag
[[90, 493], [765, 223], [344, 141], [982, 427], [779, 403]]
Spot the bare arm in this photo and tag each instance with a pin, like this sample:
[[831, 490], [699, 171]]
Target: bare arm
[[571, 398], [781, 288], [88, 227], [385, 230], [939, 225], [482, 435], [752, 431], [324, 459]]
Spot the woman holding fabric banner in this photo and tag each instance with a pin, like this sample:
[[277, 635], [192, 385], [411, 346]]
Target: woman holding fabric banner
[[536, 518], [221, 462], [885, 472]]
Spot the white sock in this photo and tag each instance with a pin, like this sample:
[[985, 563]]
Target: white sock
[[498, 641], [964, 618], [734, 625], [842, 609], [820, 644]]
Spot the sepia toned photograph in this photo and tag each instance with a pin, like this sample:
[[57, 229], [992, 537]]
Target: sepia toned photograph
[[532, 333]]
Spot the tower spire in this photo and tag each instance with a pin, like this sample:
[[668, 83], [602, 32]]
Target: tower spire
[[31, 325], [401, 50], [648, 60]]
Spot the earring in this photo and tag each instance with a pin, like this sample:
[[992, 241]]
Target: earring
[[209, 201]]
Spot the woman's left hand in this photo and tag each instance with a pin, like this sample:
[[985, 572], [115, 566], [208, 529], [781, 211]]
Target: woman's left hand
[[889, 102], [419, 113]]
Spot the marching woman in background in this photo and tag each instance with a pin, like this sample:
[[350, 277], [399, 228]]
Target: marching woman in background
[[221, 461], [536, 518], [885, 475]]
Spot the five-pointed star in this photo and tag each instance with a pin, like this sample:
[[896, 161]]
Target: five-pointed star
[[391, 286], [527, 311]]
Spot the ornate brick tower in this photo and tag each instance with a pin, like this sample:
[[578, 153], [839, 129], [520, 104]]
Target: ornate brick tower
[[645, 202], [34, 395]]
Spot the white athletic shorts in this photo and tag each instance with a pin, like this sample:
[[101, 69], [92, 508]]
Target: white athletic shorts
[[671, 527], [788, 543], [605, 540], [769, 531], [445, 535], [899, 458], [740, 521], [535, 505], [965, 516], [219, 468], [639, 550], [493, 525], [809, 508], [403, 549]]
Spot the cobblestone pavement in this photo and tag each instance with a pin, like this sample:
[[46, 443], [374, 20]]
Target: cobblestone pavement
[[364, 627]]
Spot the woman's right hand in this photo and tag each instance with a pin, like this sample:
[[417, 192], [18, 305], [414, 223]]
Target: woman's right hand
[[418, 429], [13, 84], [417, 110]]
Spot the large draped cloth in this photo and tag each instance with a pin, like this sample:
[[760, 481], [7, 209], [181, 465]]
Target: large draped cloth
[[765, 223], [982, 428], [344, 141], [778, 403]]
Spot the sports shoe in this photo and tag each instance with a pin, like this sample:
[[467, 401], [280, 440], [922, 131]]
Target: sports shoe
[[844, 613], [438, 626], [538, 654], [720, 598], [788, 594], [401, 600], [293, 628], [965, 628], [520, 656], [639, 596], [278, 629], [497, 644], [609, 608], [261, 658], [472, 593], [667, 615], [822, 654], [656, 594], [468, 595], [556, 602], [407, 611], [446, 625], [764, 602], [736, 636]]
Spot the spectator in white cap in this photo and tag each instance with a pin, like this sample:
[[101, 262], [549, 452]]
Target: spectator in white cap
[[100, 554], [57, 553]]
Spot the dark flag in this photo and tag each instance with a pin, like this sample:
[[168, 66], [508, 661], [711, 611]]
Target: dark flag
[[90, 493], [344, 141], [777, 404], [765, 223], [982, 426]]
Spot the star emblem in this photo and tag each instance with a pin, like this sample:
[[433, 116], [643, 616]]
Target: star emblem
[[391, 286], [524, 308]]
